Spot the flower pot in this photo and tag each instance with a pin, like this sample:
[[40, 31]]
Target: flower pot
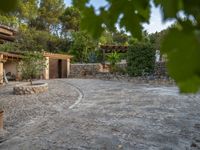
[[1, 120]]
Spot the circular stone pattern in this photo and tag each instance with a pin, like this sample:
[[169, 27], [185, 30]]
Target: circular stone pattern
[[27, 89]]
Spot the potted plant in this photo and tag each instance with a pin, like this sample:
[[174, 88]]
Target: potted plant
[[1, 116]]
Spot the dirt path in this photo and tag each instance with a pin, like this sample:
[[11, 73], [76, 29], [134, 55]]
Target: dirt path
[[95, 114]]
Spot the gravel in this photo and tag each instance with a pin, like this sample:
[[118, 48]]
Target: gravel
[[108, 115]]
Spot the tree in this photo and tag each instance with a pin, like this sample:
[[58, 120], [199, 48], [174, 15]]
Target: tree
[[8, 19], [82, 45], [120, 38], [113, 37], [106, 38], [70, 19], [49, 13], [32, 65], [181, 44], [26, 10]]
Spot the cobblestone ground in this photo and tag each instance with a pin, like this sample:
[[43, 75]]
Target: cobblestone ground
[[102, 115]]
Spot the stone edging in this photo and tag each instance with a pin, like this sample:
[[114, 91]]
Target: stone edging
[[26, 89]]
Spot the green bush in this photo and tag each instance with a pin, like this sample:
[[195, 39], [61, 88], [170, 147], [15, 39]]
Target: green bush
[[82, 46], [32, 65], [140, 59], [113, 59]]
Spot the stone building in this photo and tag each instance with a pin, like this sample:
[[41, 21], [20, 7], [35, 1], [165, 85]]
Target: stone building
[[57, 65], [6, 34]]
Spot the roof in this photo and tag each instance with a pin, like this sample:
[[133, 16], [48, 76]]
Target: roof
[[7, 34], [8, 29], [57, 56], [7, 55], [19, 55]]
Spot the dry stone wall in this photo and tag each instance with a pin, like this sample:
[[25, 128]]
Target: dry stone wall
[[93, 69], [160, 76], [81, 70], [160, 69]]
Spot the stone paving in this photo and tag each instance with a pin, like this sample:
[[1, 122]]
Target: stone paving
[[106, 115]]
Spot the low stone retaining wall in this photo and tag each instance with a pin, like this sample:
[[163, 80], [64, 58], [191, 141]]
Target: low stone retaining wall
[[161, 80], [92, 69], [160, 69], [96, 71], [81, 70], [27, 89]]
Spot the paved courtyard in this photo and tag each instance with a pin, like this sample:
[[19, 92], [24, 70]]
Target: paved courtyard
[[78, 114]]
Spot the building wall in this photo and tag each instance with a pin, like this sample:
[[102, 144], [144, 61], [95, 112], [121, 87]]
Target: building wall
[[10, 66]]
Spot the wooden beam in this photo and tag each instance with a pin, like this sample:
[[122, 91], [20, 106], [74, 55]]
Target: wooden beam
[[6, 32], [1, 70], [57, 56], [7, 38]]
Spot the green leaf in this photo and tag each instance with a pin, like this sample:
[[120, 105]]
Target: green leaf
[[182, 49], [8, 5], [130, 14], [92, 22], [170, 7]]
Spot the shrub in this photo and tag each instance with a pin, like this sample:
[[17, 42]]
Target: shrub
[[32, 66], [82, 46], [140, 59], [113, 59]]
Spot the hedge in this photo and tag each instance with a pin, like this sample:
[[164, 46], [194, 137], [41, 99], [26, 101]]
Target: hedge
[[140, 59]]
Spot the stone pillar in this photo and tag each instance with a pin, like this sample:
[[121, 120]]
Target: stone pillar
[[18, 74], [68, 67], [46, 70], [1, 68]]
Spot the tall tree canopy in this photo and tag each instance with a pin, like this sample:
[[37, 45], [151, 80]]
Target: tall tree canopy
[[70, 19], [48, 15]]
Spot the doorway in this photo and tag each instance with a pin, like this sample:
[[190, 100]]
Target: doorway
[[59, 68]]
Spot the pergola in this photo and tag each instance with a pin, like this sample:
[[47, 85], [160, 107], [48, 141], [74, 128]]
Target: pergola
[[112, 48]]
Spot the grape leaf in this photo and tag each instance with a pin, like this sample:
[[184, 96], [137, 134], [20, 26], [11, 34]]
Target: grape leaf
[[182, 49], [8, 5]]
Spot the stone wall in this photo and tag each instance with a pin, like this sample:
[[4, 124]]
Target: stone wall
[[160, 69], [81, 70], [97, 71], [92, 69]]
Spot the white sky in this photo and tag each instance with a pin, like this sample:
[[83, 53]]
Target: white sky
[[155, 24]]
